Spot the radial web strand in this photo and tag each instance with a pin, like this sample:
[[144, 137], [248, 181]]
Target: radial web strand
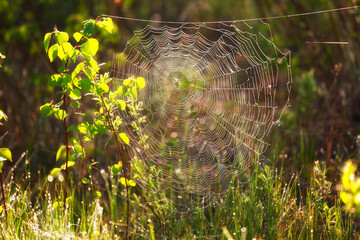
[[213, 93]]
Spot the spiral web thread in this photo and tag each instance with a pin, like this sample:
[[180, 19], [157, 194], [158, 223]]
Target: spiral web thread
[[213, 93]]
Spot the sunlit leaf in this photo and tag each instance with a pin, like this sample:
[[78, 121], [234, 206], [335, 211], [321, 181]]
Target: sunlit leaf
[[78, 149], [140, 83], [60, 114], [77, 70], [55, 172], [46, 110], [77, 36], [53, 52], [126, 82], [59, 152], [107, 24], [124, 138], [116, 168], [97, 194], [121, 104], [47, 38], [75, 94], [61, 37], [90, 47], [6, 154], [134, 92]]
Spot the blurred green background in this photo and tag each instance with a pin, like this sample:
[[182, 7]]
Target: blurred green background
[[323, 122]]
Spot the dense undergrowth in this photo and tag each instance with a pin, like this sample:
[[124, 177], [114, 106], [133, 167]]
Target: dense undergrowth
[[266, 207]]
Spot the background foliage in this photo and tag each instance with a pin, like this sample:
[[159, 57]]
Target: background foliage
[[322, 124]]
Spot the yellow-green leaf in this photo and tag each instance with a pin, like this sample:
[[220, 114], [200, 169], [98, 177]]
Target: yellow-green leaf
[[75, 94], [124, 138], [59, 152], [47, 38], [60, 114], [97, 194], [91, 46], [53, 52], [55, 172], [107, 24], [77, 36], [3, 115], [85, 180], [5, 154], [121, 104], [62, 37], [140, 83]]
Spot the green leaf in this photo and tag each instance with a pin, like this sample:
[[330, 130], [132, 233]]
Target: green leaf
[[75, 104], [61, 37], [60, 114], [121, 104], [47, 38], [77, 36], [107, 24], [140, 83], [1, 165], [89, 27], [65, 80], [70, 128], [53, 52], [5, 154], [75, 94], [97, 194], [55, 172], [124, 138], [85, 180], [84, 84], [46, 110], [116, 168], [91, 46], [59, 152], [54, 80]]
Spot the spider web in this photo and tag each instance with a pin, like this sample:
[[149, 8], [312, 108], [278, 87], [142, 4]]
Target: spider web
[[213, 93]]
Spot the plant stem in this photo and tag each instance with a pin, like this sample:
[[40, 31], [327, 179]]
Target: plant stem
[[67, 154], [124, 162], [3, 193]]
